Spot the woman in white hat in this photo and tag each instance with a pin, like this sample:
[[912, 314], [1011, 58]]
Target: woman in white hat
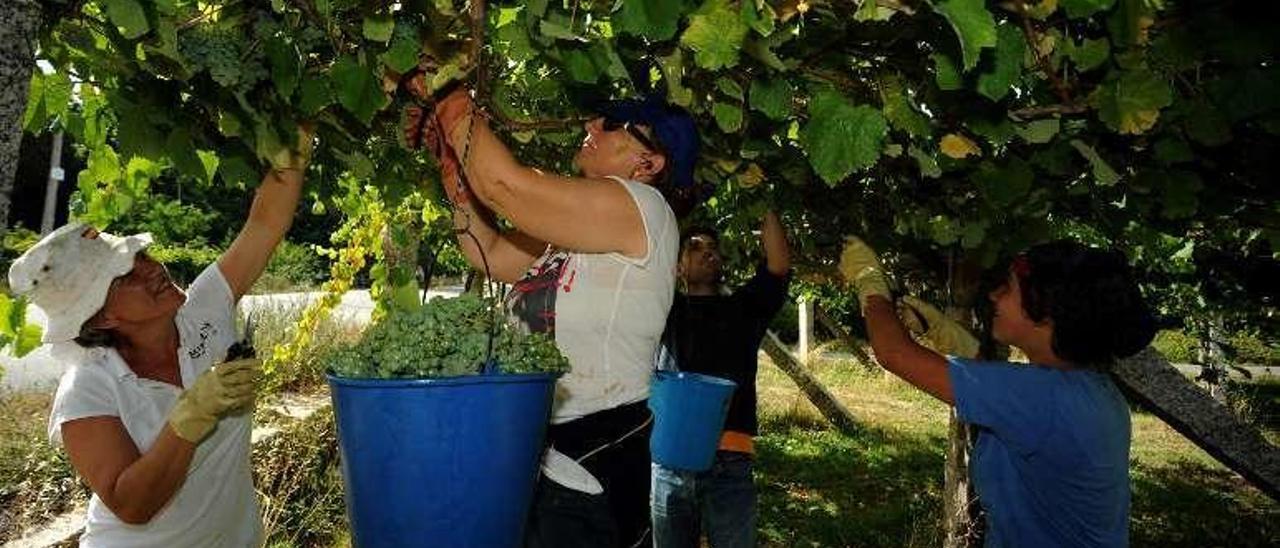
[[159, 432]]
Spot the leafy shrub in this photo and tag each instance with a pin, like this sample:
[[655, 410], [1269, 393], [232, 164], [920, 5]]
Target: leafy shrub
[[275, 324], [1250, 348], [13, 243], [184, 262], [1177, 346], [37, 481], [292, 267], [170, 222], [444, 338]]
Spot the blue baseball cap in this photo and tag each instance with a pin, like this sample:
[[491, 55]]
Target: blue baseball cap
[[672, 128]]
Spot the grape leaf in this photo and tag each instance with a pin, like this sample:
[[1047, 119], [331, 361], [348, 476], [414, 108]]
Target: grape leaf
[[1002, 186], [1179, 194], [652, 19], [1102, 171], [1087, 55], [715, 35], [996, 83], [729, 87], [286, 68], [236, 171], [1130, 102], [129, 16], [946, 73], [673, 74], [315, 95], [1173, 150], [973, 24], [378, 27], [728, 116], [1039, 132], [1207, 125], [840, 137], [358, 88], [958, 146], [1079, 9], [902, 115], [771, 96], [35, 116], [928, 164], [183, 153], [759, 16]]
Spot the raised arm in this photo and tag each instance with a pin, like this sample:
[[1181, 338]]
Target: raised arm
[[894, 348], [773, 241], [274, 205], [585, 215]]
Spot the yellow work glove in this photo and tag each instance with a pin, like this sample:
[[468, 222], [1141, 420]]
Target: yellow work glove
[[941, 332], [223, 388], [861, 268], [298, 156]]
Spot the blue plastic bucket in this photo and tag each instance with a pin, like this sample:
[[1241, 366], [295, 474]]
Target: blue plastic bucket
[[441, 462], [688, 416]]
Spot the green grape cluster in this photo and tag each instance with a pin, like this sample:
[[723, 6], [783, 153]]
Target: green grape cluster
[[224, 54], [445, 338]]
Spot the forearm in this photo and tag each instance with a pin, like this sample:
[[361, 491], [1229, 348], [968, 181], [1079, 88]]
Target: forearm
[[147, 485], [773, 241], [476, 234], [492, 171], [504, 256], [275, 203], [272, 212], [902, 356]]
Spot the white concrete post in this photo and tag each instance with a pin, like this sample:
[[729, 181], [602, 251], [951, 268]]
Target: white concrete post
[[806, 328]]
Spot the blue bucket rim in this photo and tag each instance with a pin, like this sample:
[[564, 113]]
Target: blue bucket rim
[[504, 378], [699, 377]]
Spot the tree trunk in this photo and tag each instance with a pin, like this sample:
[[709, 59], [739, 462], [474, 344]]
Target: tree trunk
[[963, 523], [1149, 379], [856, 347], [962, 515], [19, 21], [828, 405]]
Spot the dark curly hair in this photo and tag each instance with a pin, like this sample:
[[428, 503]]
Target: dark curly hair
[[1097, 308], [697, 230]]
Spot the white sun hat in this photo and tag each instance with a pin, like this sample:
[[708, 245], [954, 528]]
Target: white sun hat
[[67, 274]]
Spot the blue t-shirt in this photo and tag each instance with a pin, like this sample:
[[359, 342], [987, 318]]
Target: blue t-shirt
[[1051, 464]]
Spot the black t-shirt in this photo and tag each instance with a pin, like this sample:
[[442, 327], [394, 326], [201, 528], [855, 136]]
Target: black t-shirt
[[719, 335]]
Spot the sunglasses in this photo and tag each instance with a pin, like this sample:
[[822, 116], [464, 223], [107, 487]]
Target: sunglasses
[[613, 124]]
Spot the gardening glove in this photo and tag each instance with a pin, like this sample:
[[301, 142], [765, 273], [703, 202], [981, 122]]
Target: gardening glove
[[452, 109], [299, 156], [941, 332], [426, 132], [225, 387], [558, 467], [861, 268]]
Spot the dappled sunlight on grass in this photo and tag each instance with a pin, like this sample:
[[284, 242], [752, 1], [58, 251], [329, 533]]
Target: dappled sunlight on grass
[[882, 486]]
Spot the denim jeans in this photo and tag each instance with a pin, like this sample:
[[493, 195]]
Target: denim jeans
[[720, 502]]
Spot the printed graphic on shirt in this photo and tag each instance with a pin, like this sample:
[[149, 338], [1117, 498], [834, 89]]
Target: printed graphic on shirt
[[532, 300], [200, 349]]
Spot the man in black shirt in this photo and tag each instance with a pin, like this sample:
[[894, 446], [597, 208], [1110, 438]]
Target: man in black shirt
[[716, 334]]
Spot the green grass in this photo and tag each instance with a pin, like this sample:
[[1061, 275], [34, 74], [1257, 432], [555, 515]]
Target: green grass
[[36, 479], [882, 486]]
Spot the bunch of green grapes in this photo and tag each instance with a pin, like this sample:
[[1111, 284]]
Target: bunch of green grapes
[[445, 338], [220, 50]]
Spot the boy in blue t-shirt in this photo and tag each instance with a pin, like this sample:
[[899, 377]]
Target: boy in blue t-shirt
[[1052, 455]]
